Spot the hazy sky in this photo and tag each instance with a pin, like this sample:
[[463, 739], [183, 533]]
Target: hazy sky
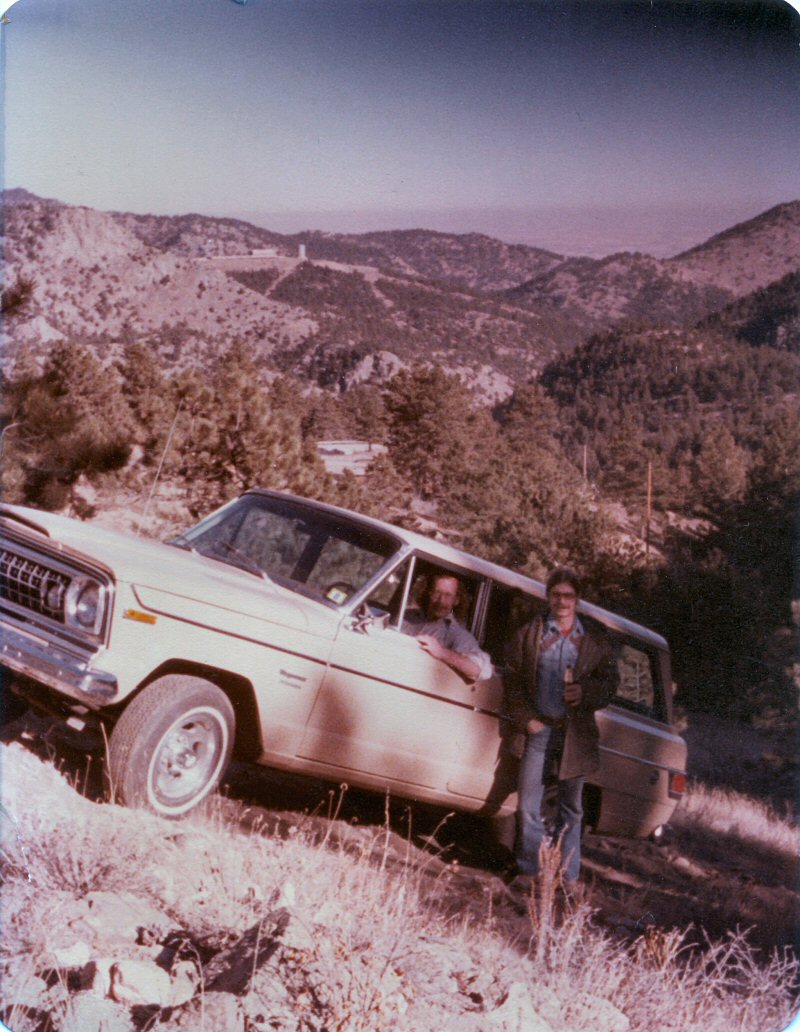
[[629, 123]]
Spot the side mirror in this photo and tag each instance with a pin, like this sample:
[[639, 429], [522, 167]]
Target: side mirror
[[364, 621]]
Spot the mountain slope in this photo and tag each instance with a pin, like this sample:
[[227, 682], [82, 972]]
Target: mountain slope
[[363, 304], [469, 260], [599, 293], [103, 278], [767, 317], [749, 255]]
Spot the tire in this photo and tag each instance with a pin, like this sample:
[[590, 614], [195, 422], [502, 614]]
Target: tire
[[171, 746]]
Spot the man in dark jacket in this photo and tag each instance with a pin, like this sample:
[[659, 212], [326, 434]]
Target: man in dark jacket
[[560, 670]]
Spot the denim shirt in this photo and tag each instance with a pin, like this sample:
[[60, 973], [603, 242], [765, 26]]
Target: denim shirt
[[555, 655]]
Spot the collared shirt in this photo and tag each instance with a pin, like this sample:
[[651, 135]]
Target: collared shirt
[[449, 632], [557, 651]]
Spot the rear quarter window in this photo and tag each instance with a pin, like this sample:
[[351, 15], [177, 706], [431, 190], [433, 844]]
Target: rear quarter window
[[639, 686]]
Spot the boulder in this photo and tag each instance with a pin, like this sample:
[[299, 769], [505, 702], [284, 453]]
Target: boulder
[[596, 1012], [518, 1014]]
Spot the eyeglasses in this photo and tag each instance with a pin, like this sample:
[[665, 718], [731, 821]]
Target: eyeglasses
[[566, 595]]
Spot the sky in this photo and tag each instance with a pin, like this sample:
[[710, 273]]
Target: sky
[[585, 127]]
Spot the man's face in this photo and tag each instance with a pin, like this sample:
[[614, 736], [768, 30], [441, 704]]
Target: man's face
[[441, 598], [563, 602]]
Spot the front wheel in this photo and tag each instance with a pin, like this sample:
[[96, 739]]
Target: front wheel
[[172, 744]]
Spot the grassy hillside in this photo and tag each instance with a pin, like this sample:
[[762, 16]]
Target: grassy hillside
[[293, 918]]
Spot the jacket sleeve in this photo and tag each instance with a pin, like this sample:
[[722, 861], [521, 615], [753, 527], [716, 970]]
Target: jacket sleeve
[[515, 674], [599, 680]]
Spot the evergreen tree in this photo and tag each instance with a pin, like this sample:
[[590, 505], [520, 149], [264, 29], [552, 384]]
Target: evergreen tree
[[72, 419], [239, 439], [152, 397], [720, 470]]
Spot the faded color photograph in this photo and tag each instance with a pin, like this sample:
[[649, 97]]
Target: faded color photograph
[[399, 472]]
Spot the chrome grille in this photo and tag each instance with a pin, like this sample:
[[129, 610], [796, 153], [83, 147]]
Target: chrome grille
[[33, 585]]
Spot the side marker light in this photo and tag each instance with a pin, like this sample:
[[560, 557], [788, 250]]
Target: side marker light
[[139, 616]]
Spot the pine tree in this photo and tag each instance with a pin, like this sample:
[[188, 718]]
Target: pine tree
[[720, 470]]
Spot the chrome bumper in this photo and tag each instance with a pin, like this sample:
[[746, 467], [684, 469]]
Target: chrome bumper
[[54, 665]]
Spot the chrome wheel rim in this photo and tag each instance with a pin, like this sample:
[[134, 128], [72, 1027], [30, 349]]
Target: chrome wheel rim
[[187, 760]]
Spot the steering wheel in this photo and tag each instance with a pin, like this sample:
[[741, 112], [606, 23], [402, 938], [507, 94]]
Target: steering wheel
[[336, 587]]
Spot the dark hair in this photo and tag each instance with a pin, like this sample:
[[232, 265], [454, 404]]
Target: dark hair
[[563, 575]]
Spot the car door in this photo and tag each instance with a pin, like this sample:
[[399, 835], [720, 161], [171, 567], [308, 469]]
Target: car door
[[388, 710], [639, 752]]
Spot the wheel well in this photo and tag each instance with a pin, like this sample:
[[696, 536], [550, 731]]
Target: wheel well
[[240, 691]]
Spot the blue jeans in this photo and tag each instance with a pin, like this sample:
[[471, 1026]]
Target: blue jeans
[[537, 761]]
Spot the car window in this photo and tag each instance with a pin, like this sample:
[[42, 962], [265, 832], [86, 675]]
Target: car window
[[639, 682], [387, 595], [425, 571], [274, 542], [508, 609], [341, 567], [296, 544]]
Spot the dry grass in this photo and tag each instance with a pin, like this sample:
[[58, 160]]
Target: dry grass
[[396, 938], [732, 813]]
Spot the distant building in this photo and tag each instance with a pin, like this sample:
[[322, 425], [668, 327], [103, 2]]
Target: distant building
[[301, 251], [355, 456], [265, 252]]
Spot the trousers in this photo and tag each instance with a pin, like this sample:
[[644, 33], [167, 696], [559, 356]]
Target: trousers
[[538, 759]]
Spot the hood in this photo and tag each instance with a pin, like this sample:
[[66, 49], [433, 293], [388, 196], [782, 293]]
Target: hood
[[165, 568]]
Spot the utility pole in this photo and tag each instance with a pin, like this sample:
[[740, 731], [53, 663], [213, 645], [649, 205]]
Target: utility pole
[[649, 510]]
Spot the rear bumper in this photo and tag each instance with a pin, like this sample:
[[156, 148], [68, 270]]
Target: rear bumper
[[55, 665]]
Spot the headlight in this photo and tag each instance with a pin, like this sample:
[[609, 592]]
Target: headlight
[[85, 604]]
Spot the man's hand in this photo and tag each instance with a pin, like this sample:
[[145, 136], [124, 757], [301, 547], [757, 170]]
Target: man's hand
[[573, 693], [432, 645], [463, 665], [534, 726]]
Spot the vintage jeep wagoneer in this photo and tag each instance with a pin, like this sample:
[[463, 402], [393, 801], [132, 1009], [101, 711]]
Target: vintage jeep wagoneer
[[270, 632]]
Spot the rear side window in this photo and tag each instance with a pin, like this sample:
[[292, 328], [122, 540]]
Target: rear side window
[[639, 679], [507, 610]]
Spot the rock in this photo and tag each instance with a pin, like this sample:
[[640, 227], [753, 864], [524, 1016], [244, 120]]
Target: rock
[[298, 937], [183, 983], [517, 1013], [597, 1012], [111, 918], [162, 880], [139, 982], [547, 1004], [268, 1003], [212, 1010], [73, 956], [85, 1012], [23, 987]]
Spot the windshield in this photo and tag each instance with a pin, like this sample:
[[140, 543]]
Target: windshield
[[295, 544]]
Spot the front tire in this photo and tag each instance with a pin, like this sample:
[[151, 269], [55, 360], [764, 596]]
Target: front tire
[[172, 744]]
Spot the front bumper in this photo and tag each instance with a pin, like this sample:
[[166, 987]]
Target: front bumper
[[55, 665]]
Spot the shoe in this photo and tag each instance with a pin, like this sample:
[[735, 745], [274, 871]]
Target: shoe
[[508, 873], [522, 884]]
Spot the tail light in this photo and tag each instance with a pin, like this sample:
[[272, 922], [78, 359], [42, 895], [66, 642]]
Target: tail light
[[677, 784]]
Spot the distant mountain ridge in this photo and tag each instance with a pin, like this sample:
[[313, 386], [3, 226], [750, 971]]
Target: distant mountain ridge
[[493, 312], [749, 255]]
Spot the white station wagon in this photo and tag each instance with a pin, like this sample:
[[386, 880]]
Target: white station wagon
[[270, 632]]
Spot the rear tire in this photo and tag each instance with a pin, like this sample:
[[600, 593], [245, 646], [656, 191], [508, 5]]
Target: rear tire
[[171, 746]]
